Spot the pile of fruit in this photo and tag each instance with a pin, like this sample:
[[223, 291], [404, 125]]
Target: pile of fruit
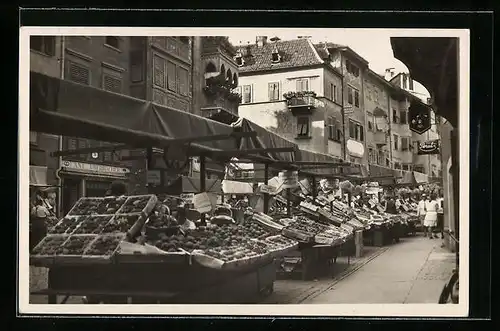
[[175, 243], [97, 206], [162, 221], [76, 245], [104, 245], [120, 223], [92, 224], [50, 245], [66, 225], [240, 251], [254, 230], [135, 204]]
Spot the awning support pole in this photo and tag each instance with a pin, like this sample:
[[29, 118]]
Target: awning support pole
[[203, 177], [288, 202], [313, 188], [266, 181]]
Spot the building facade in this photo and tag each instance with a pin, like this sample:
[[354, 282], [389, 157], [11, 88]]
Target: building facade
[[288, 88]]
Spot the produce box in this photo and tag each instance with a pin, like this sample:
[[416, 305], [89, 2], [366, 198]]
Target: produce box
[[298, 235], [138, 204], [66, 225], [97, 206], [129, 223], [229, 258], [92, 224], [279, 245], [103, 248], [72, 250], [45, 251], [267, 223]]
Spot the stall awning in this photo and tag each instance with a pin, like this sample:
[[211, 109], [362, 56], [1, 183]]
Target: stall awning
[[420, 178], [185, 184], [433, 61], [265, 139], [383, 175], [38, 176], [235, 187], [305, 155], [65, 108], [407, 178]]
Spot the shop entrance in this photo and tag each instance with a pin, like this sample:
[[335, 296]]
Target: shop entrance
[[71, 193], [96, 188]]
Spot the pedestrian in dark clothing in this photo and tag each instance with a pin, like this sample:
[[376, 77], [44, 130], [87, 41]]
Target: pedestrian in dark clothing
[[390, 206]]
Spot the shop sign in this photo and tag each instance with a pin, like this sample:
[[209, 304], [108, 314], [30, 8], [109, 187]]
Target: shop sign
[[154, 177], [419, 117], [289, 178], [203, 203], [187, 197], [93, 168], [267, 189], [355, 148], [428, 147]]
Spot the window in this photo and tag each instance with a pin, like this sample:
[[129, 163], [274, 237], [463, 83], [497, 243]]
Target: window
[[351, 68], [405, 144], [353, 96], [33, 138], [333, 129], [136, 66], [397, 165], [171, 76], [239, 61], [410, 83], [370, 155], [332, 92], [247, 94], [302, 126], [350, 97], [370, 125], [335, 93], [405, 82], [395, 118], [43, 44], [419, 168], [406, 167], [78, 73], [415, 147], [381, 157], [356, 131], [396, 142], [111, 83], [274, 91], [404, 117], [159, 71], [113, 42], [275, 57], [356, 98], [183, 81], [302, 85]]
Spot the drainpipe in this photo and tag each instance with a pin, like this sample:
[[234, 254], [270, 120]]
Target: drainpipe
[[60, 138], [389, 131], [342, 111]]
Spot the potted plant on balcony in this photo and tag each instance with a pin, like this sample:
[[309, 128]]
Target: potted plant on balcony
[[301, 94]]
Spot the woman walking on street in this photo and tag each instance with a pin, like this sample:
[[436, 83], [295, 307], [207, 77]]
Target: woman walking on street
[[421, 213], [430, 220]]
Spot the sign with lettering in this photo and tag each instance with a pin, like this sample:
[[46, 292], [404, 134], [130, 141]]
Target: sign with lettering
[[428, 147], [419, 116], [187, 197], [99, 169]]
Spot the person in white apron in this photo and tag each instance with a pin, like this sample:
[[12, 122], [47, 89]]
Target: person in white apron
[[430, 220], [421, 212]]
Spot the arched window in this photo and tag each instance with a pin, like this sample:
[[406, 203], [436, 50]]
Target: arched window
[[210, 67], [223, 69], [235, 80], [229, 76]]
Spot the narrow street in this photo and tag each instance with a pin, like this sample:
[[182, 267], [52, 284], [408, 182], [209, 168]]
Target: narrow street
[[411, 271]]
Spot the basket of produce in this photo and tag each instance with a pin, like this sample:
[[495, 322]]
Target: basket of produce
[[138, 204], [103, 248], [92, 224], [66, 225], [97, 206], [45, 251], [73, 248], [131, 223], [255, 229], [161, 224]]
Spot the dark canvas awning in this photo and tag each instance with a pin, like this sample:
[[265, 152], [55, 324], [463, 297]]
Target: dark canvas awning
[[433, 61], [383, 175], [65, 108], [265, 139], [309, 156]]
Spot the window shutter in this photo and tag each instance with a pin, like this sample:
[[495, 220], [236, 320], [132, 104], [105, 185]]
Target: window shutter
[[79, 74], [349, 95], [356, 98], [183, 81], [136, 66], [171, 76], [159, 71], [111, 83], [361, 133]]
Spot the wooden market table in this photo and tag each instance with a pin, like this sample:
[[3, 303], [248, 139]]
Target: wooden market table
[[161, 282]]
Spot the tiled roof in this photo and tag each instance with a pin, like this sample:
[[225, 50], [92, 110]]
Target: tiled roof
[[294, 53]]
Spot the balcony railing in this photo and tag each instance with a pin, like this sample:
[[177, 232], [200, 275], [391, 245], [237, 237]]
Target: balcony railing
[[380, 138], [301, 101], [229, 106]]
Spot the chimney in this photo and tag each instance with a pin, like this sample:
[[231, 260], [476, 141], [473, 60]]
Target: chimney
[[275, 39], [389, 73], [261, 40]]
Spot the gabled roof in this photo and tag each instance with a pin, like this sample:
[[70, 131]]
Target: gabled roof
[[294, 53], [347, 49]]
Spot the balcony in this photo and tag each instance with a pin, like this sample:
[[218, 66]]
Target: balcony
[[220, 103], [380, 138], [301, 102]]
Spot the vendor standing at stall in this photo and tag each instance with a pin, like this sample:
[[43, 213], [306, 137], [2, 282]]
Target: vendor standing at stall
[[440, 215], [39, 215], [390, 206]]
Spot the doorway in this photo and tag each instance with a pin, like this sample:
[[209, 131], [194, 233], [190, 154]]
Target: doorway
[[71, 194]]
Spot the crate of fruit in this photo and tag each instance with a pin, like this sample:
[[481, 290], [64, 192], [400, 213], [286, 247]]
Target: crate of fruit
[[43, 254], [71, 251], [139, 204], [92, 224], [66, 225], [135, 253], [299, 235], [103, 248], [231, 257], [97, 206], [128, 223], [267, 223], [279, 245]]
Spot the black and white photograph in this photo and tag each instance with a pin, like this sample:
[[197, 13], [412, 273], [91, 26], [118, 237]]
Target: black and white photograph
[[249, 171]]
